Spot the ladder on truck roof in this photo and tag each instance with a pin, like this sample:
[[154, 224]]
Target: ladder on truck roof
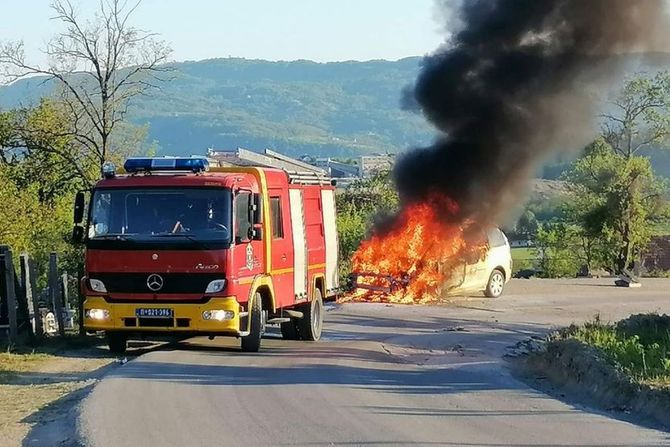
[[298, 171]]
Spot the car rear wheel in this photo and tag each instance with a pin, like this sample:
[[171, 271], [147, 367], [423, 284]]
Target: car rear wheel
[[311, 323], [496, 284]]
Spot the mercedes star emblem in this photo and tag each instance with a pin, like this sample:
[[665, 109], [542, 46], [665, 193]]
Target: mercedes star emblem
[[155, 282]]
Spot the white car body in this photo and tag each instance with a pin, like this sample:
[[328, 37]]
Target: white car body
[[477, 276]]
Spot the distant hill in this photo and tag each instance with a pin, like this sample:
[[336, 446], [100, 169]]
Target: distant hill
[[299, 107], [340, 109]]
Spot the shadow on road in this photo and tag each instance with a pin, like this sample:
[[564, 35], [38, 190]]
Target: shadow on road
[[390, 377]]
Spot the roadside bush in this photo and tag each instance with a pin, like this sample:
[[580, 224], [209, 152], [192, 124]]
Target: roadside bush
[[650, 328], [558, 251], [638, 346]]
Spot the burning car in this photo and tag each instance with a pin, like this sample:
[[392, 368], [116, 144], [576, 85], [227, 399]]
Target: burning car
[[482, 264], [487, 274]]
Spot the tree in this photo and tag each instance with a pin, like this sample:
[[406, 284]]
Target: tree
[[527, 226], [557, 249], [99, 66], [616, 202], [640, 114], [36, 148]]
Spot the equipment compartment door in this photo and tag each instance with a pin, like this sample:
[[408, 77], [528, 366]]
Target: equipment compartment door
[[330, 233], [299, 244]]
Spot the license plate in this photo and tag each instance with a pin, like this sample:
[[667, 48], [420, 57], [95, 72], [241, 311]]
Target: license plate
[[154, 313]]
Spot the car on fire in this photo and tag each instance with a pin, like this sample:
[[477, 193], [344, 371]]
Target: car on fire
[[483, 268], [486, 274]]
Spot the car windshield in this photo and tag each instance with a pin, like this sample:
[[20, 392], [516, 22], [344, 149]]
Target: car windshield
[[202, 214]]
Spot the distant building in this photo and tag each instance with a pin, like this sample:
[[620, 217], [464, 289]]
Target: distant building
[[369, 165], [520, 243], [657, 256], [335, 169]]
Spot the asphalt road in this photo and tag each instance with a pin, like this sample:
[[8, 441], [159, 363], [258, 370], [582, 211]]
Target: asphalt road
[[382, 375]]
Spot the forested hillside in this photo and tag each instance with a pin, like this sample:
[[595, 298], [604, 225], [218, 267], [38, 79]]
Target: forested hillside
[[300, 107]]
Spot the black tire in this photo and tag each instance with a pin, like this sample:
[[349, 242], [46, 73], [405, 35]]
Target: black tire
[[496, 284], [311, 324], [117, 342], [289, 330], [252, 342]]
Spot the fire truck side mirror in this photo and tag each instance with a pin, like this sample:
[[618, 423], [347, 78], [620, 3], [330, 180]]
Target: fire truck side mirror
[[257, 233], [79, 203], [257, 210]]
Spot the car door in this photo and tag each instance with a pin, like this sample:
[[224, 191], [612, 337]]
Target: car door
[[247, 256]]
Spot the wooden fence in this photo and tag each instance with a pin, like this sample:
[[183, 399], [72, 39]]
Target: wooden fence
[[27, 313]]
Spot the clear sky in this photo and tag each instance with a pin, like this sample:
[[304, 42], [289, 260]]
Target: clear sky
[[321, 30]]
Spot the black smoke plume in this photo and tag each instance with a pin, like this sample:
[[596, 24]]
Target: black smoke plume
[[512, 87]]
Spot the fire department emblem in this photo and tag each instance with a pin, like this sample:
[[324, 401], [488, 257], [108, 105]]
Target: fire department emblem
[[250, 257]]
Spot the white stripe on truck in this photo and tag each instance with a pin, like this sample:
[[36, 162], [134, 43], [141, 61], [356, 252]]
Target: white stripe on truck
[[330, 233], [299, 243]]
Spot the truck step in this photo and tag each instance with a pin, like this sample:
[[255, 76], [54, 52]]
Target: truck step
[[278, 320], [294, 313]]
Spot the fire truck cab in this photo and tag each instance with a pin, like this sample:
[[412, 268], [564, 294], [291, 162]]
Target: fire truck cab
[[173, 246]]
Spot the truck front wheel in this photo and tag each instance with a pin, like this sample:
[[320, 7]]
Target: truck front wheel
[[117, 342], [252, 342], [311, 323]]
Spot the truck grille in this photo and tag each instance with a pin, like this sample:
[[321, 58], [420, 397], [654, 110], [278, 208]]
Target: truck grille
[[156, 322], [187, 283]]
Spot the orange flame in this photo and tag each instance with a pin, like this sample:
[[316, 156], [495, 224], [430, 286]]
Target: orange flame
[[411, 263]]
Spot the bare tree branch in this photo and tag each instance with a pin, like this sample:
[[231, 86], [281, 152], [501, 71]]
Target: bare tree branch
[[101, 65]]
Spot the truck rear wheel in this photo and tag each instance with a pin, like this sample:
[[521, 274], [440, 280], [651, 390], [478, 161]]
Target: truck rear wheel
[[117, 342], [311, 324], [252, 342], [289, 330]]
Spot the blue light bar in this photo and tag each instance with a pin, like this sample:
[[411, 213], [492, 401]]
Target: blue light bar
[[149, 164]]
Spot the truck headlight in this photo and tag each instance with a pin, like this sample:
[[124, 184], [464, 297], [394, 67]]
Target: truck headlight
[[216, 286], [97, 285], [96, 314], [218, 315]]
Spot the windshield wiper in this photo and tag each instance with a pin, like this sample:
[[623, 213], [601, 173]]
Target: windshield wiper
[[187, 236], [117, 237]]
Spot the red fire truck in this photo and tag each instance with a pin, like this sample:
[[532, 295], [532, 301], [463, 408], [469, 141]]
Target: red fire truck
[[174, 246]]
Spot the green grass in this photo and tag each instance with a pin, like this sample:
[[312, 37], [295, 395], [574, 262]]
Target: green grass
[[638, 346], [523, 258], [522, 253], [660, 229]]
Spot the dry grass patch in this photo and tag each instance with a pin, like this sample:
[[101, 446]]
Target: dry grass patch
[[33, 384]]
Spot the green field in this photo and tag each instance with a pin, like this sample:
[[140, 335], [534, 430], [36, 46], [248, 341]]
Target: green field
[[523, 258], [523, 253]]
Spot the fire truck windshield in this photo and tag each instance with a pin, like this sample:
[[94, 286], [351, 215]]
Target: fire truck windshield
[[186, 215]]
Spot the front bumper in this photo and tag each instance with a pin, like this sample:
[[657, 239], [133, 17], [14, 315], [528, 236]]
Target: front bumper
[[187, 317]]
